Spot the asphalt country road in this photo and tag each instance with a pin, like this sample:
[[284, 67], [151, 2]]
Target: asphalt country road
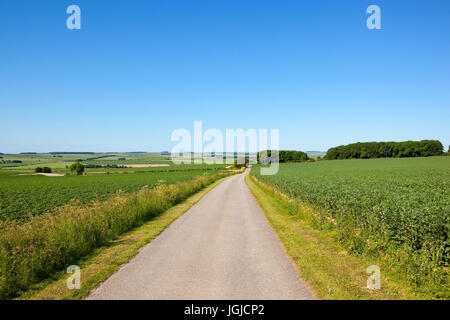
[[221, 248]]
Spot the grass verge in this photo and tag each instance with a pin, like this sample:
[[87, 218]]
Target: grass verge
[[43, 247], [327, 267], [105, 261]]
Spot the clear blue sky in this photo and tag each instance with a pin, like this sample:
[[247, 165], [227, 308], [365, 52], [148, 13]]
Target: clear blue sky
[[137, 70]]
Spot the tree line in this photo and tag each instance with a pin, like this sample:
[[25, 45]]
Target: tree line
[[71, 152], [368, 150], [287, 156], [10, 161]]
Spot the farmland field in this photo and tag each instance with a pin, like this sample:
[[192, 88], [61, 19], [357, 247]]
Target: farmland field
[[401, 203], [49, 212], [411, 197], [34, 250], [23, 195]]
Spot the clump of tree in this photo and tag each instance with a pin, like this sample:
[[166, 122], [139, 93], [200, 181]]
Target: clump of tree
[[287, 156], [292, 156], [43, 170], [71, 152], [368, 150], [10, 161], [77, 167], [97, 166]]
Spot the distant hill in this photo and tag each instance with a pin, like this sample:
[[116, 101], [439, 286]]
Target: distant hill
[[71, 152]]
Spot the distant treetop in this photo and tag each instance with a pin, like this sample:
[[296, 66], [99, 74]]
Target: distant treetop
[[288, 156], [367, 150], [71, 152]]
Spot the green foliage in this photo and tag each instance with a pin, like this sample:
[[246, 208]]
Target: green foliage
[[78, 167], [11, 161], [288, 156], [46, 170], [367, 150], [396, 207], [292, 156], [38, 170]]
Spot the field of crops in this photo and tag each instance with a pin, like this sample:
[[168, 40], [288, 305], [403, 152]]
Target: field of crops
[[403, 203], [25, 195], [37, 249], [34, 245]]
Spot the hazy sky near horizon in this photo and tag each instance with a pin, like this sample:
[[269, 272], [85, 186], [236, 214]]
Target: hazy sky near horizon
[[138, 70]]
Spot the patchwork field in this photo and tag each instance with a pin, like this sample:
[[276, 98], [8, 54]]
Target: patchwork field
[[24, 194]]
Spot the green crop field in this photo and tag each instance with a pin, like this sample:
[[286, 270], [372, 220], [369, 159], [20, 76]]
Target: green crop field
[[410, 197], [391, 202], [115, 193], [23, 194]]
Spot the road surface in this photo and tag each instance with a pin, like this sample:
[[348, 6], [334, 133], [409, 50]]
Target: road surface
[[221, 248]]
